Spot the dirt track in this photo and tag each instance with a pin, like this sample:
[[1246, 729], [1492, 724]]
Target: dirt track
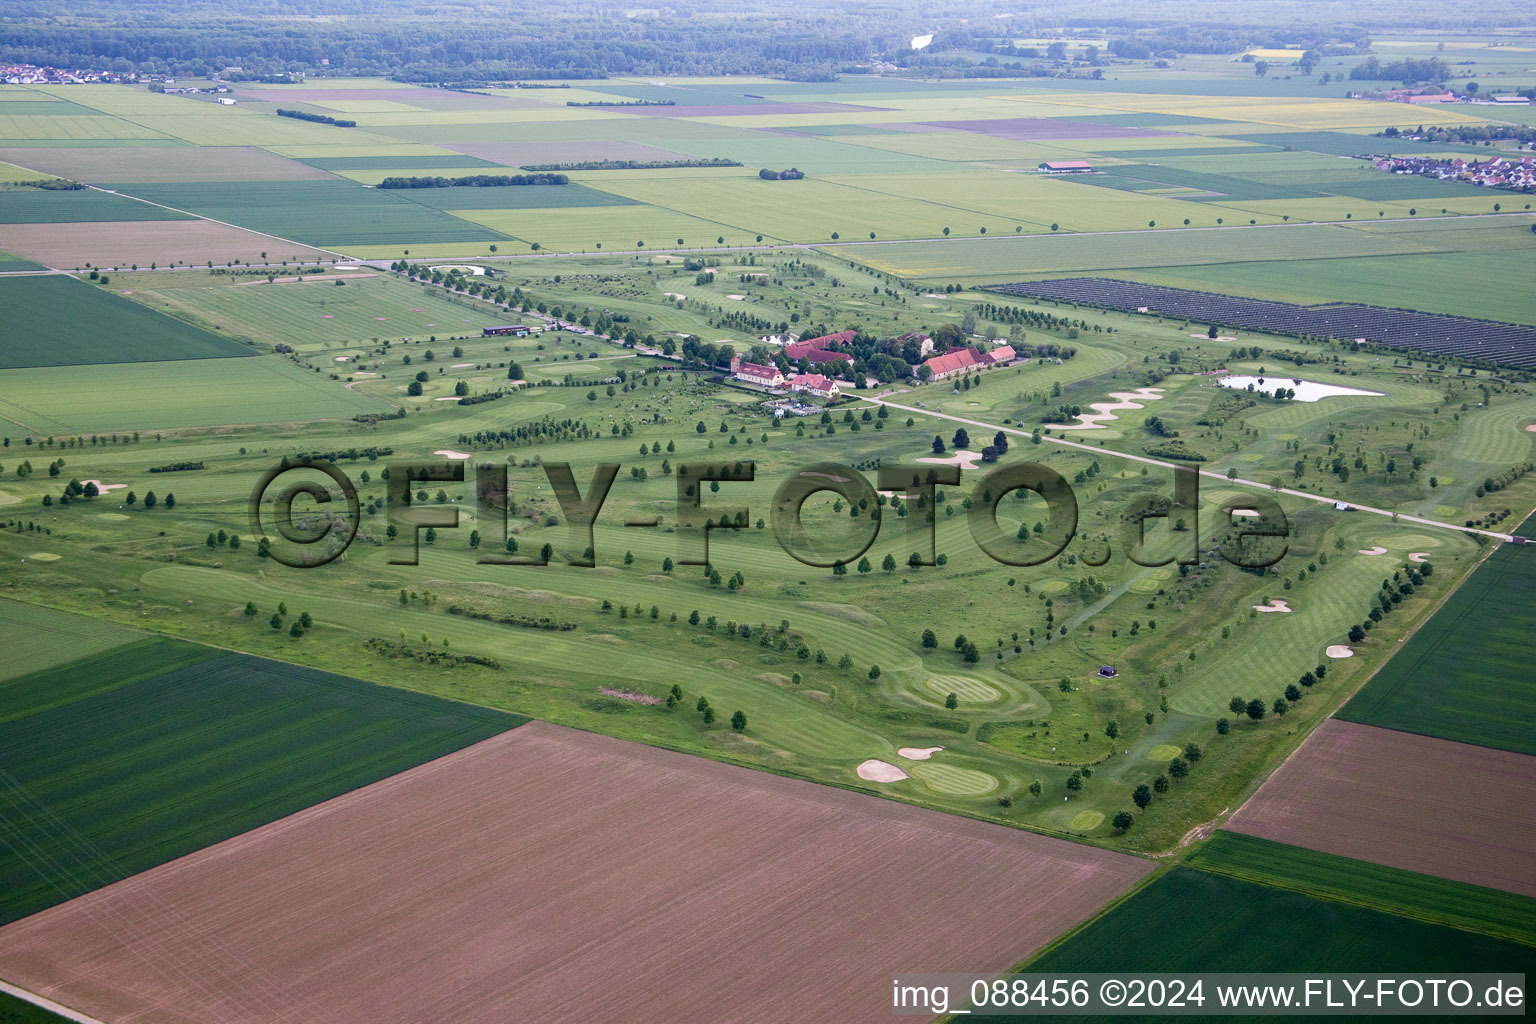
[[554, 875], [1415, 802]]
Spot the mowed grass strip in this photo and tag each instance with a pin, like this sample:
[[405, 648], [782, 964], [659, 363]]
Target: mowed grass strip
[[325, 213], [54, 320], [201, 746], [1189, 920], [1465, 675], [1406, 893]]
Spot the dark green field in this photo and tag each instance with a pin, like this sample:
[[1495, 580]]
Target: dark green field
[[161, 748], [1189, 920], [56, 320], [1406, 893], [321, 213], [1466, 674], [17, 1011], [38, 206]]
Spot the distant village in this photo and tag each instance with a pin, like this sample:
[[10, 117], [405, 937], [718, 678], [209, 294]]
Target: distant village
[[33, 74], [1514, 174]]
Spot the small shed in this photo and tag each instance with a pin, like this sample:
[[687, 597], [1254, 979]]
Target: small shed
[[1108, 671]]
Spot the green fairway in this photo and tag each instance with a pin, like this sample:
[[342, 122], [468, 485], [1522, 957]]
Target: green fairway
[[55, 320], [1465, 674], [181, 746], [1405, 893], [325, 213]]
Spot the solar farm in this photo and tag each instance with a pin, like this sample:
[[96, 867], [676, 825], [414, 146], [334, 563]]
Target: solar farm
[[460, 539]]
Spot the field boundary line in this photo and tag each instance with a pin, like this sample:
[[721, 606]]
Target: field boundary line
[[47, 1004], [1211, 473]]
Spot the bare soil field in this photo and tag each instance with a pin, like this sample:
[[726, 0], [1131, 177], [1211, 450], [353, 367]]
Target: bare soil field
[[122, 244], [142, 164], [1415, 802], [551, 874]]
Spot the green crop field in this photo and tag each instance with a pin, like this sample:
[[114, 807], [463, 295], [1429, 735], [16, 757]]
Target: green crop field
[[17, 1011], [186, 393], [36, 638], [1188, 920], [323, 213], [37, 206], [1461, 676], [10, 263], [1404, 893], [177, 746], [59, 321]]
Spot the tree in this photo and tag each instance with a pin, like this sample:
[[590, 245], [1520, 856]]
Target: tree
[[305, 620], [1237, 705], [1123, 820], [952, 701], [413, 389], [250, 607], [889, 564], [1141, 796], [296, 630], [938, 445], [739, 721], [1223, 726], [864, 565], [1075, 782], [150, 500], [1255, 709], [709, 716], [1160, 784], [1112, 730], [1034, 788], [701, 704], [874, 672], [1281, 707], [1178, 768], [929, 639], [276, 621], [962, 439], [1293, 693], [1192, 752]]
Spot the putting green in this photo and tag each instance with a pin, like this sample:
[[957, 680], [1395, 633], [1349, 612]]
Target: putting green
[[970, 690], [1086, 821], [1163, 752], [44, 556], [1410, 542], [951, 780], [1147, 585], [1445, 510], [1443, 480], [115, 516], [1053, 586]]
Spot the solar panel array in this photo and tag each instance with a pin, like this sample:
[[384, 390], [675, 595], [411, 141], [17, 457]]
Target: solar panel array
[[1486, 341]]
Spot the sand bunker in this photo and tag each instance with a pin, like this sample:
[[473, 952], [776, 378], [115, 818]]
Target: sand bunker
[[679, 296], [341, 359], [1339, 651], [1219, 337], [1418, 556], [918, 753], [9, 499], [738, 298], [1244, 512], [460, 366], [962, 458], [102, 488], [1275, 605], [1105, 411], [1532, 428], [1377, 550], [880, 771], [449, 453]]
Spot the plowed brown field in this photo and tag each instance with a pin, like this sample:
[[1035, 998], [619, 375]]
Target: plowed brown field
[[554, 875], [123, 243], [1414, 802]]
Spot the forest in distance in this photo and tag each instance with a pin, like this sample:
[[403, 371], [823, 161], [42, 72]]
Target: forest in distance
[[490, 40]]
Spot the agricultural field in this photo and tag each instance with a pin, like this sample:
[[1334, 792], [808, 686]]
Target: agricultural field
[[289, 543], [1426, 898], [155, 748], [1412, 802], [58, 321], [1454, 678], [548, 886]]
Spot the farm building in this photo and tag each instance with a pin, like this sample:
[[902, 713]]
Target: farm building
[[1002, 355], [514, 330], [762, 376], [1065, 167], [225, 101], [815, 384], [956, 360], [1108, 671], [923, 342]]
